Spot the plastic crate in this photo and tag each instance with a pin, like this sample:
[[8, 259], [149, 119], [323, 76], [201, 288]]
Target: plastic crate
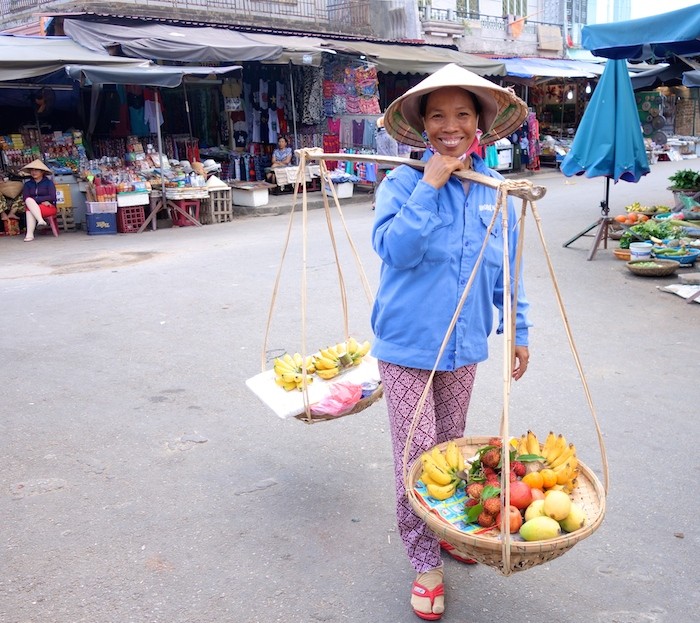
[[101, 207], [101, 224], [130, 219]]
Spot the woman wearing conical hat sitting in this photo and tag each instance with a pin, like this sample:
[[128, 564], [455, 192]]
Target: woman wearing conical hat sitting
[[429, 229], [39, 195]]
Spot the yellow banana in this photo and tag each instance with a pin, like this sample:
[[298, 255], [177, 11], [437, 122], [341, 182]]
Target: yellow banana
[[570, 484], [441, 492], [559, 447], [452, 455], [439, 459], [427, 480], [533, 444], [297, 360], [564, 475], [436, 474], [522, 445], [328, 374], [353, 346], [324, 363], [563, 457], [287, 358], [548, 443], [462, 463], [363, 349], [279, 364], [286, 385]]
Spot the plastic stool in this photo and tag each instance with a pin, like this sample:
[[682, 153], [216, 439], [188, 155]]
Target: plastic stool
[[53, 223], [191, 206]]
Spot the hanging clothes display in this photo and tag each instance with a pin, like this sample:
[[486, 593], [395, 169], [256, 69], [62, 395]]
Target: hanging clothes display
[[533, 138]]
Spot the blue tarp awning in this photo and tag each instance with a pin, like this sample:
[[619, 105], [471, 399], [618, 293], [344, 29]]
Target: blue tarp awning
[[654, 37]]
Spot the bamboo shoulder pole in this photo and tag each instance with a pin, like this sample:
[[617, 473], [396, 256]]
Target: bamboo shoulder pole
[[524, 189]]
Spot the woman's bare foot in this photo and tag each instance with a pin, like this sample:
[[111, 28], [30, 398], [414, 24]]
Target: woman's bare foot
[[428, 596]]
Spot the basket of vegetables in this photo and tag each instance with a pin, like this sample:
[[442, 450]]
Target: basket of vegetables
[[661, 230]]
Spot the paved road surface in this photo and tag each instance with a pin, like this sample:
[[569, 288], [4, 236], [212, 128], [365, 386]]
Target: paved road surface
[[142, 482]]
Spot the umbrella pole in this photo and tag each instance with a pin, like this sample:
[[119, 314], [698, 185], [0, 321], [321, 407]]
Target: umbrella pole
[[603, 225]]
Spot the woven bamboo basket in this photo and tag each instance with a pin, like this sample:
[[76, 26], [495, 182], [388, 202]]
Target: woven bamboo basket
[[11, 189], [361, 405], [487, 548]]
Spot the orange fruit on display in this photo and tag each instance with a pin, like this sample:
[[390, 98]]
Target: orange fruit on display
[[621, 218], [642, 217], [534, 480], [549, 477]]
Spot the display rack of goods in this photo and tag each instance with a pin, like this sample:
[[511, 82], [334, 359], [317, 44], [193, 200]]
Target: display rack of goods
[[460, 489]]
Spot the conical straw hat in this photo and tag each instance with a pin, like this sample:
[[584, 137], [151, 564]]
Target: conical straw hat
[[502, 112], [36, 164]]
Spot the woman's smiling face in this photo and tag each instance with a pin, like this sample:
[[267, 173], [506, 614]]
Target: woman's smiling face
[[450, 120]]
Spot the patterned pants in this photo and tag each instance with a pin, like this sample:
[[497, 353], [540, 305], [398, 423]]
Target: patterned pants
[[443, 418]]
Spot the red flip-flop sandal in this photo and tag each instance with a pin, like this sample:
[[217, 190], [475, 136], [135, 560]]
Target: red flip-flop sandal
[[452, 552], [421, 591]]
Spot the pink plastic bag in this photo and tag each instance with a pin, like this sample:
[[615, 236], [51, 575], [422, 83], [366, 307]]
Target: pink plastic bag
[[343, 398]]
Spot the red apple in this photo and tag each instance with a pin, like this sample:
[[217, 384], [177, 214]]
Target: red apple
[[520, 494], [516, 519]]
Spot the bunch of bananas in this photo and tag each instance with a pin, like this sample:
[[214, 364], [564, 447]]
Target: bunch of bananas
[[559, 456], [440, 471], [289, 371], [329, 362]]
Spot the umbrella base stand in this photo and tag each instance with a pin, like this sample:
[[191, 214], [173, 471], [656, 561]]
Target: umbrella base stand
[[603, 224]]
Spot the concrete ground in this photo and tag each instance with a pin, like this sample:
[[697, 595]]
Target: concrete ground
[[142, 482]]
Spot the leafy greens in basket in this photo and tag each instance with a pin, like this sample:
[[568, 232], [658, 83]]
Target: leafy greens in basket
[[649, 229]]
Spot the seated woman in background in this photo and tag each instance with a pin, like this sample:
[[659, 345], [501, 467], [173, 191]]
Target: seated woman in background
[[281, 157], [39, 195]]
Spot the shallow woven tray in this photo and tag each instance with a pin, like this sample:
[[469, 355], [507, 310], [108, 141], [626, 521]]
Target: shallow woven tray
[[487, 548], [361, 405], [663, 268], [622, 254]]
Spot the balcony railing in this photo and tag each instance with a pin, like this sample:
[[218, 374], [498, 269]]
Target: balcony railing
[[489, 23], [342, 16]]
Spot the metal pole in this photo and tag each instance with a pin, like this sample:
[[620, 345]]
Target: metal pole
[[294, 108], [160, 150], [187, 107]]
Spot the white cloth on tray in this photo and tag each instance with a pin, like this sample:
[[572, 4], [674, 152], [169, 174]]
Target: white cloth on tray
[[290, 404]]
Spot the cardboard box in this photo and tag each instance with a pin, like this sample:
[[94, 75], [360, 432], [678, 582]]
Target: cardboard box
[[63, 198], [253, 197], [101, 224]]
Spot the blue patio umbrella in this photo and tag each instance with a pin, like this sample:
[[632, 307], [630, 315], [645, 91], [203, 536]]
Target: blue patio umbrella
[[654, 37], [609, 139], [608, 142]]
